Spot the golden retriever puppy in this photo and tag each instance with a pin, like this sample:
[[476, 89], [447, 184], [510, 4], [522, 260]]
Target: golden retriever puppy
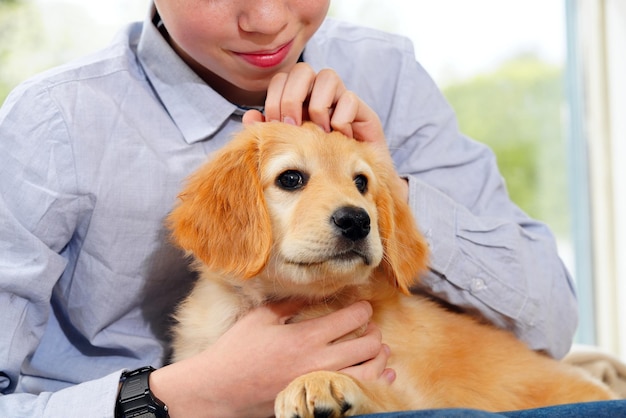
[[293, 212]]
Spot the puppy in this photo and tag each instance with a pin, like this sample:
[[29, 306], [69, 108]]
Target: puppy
[[292, 212]]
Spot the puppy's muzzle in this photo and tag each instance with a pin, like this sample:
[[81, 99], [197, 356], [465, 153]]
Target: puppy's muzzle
[[352, 222]]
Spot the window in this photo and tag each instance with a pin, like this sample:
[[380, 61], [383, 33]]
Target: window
[[597, 35]]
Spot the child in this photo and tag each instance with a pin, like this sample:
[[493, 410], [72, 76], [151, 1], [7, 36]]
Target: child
[[93, 154]]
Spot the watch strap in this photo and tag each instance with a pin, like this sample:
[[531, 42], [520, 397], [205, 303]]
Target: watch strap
[[135, 399]]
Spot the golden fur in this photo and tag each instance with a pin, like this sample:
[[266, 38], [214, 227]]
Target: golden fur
[[254, 241]]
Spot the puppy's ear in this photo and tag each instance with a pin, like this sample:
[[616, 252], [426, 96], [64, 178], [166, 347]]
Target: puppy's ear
[[222, 217], [404, 247]]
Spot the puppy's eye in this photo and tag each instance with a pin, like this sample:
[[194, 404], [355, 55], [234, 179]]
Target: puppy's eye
[[291, 180], [360, 181]]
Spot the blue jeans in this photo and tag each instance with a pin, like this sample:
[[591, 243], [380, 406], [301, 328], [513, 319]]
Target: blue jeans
[[604, 409]]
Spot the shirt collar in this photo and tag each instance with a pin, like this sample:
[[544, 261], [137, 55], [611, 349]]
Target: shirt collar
[[197, 109]]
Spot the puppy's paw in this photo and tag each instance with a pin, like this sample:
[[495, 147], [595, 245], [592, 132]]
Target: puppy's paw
[[319, 395]]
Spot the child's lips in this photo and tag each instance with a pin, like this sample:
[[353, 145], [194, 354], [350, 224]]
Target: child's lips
[[266, 59]]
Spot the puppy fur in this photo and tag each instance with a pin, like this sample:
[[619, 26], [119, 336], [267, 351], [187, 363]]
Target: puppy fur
[[293, 212]]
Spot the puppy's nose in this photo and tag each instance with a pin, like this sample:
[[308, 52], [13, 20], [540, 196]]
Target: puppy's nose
[[353, 222]]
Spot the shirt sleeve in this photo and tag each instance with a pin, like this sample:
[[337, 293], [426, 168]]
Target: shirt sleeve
[[94, 398], [38, 213], [487, 256]]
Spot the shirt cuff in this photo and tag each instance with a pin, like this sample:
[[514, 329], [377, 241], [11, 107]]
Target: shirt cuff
[[96, 398]]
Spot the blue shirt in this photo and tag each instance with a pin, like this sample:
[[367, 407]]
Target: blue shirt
[[93, 154]]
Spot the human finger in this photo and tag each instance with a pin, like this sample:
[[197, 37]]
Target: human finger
[[277, 313], [373, 369], [273, 97], [326, 91], [349, 352], [331, 327], [355, 119], [288, 93], [252, 116]]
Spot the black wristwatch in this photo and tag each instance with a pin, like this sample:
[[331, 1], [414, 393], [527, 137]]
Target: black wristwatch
[[135, 399]]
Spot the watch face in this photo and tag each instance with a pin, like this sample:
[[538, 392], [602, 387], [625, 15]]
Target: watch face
[[136, 400]]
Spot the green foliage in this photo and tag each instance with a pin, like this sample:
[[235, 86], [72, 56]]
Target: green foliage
[[20, 33], [35, 36], [517, 110]]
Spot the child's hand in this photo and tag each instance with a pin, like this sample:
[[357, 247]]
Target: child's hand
[[322, 98], [301, 95]]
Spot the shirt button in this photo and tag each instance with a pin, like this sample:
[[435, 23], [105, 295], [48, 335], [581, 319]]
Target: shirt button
[[429, 239], [477, 285]]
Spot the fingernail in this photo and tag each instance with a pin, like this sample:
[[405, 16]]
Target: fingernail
[[387, 349], [289, 120], [389, 375]]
